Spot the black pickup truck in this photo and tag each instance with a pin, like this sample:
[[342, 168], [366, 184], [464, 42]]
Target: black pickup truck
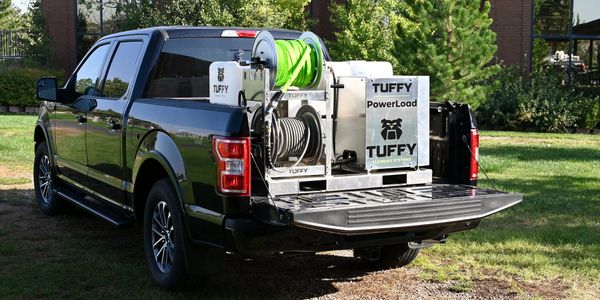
[[133, 137]]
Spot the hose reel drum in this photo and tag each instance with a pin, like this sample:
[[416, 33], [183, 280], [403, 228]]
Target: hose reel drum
[[274, 52]]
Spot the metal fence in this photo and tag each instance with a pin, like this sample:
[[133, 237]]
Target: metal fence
[[11, 44]]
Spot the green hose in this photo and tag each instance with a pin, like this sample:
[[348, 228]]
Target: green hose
[[297, 64]]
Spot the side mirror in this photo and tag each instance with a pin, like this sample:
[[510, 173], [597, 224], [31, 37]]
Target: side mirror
[[84, 104], [46, 89]]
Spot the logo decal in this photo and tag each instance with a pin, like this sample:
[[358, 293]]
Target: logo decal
[[221, 74], [391, 129]]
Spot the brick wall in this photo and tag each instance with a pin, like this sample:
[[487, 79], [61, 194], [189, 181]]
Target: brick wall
[[61, 20], [512, 24], [319, 12]]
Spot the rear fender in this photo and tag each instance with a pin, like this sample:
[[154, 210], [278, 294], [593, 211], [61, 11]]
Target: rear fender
[[159, 146]]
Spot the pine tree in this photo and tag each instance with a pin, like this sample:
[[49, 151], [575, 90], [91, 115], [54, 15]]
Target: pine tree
[[36, 42], [366, 30], [451, 41], [9, 16]]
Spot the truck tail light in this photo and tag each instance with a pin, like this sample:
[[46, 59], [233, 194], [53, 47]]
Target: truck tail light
[[233, 165], [239, 33], [474, 144]]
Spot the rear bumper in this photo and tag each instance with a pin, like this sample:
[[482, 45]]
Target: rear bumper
[[248, 236], [319, 222]]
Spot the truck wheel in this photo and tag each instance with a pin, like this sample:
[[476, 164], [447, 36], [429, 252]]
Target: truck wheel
[[163, 237], [391, 256], [395, 256], [43, 182]]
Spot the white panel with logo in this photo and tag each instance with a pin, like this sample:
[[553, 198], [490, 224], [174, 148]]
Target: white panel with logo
[[226, 82], [393, 112]]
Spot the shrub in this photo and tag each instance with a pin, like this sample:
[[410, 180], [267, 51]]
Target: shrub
[[547, 105], [503, 106], [18, 85], [539, 102], [590, 117]]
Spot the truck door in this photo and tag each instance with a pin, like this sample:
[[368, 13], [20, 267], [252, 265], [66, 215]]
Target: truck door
[[70, 123], [105, 128]]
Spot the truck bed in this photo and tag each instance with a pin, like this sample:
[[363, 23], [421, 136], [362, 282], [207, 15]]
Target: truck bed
[[393, 209]]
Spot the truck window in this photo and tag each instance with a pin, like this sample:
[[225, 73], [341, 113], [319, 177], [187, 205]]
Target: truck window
[[182, 68], [121, 70], [87, 75]]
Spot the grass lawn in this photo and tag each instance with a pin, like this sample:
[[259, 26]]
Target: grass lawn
[[548, 246], [551, 239], [16, 148]]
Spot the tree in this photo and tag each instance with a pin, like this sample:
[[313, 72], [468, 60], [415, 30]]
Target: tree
[[551, 16], [10, 16], [36, 42], [366, 30], [451, 41], [246, 13]]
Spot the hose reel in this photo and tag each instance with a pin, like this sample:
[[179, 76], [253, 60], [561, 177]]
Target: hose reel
[[291, 62], [296, 63], [299, 137]]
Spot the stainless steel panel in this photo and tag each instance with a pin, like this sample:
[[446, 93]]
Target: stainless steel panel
[[423, 119], [296, 171], [350, 130], [291, 95], [287, 186], [419, 177], [392, 122], [368, 121]]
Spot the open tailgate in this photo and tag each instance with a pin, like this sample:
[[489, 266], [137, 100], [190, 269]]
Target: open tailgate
[[393, 209]]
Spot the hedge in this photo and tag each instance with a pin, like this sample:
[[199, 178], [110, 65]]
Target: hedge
[[17, 85], [540, 102]]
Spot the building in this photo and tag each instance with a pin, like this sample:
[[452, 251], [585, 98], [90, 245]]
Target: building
[[61, 18], [518, 32]]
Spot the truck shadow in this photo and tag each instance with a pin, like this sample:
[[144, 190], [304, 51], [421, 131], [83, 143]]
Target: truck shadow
[[81, 240]]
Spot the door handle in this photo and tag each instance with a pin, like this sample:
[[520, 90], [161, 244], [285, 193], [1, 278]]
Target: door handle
[[113, 125], [81, 119]]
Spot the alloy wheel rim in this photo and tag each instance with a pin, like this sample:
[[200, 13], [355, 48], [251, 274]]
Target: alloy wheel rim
[[163, 237], [45, 179]]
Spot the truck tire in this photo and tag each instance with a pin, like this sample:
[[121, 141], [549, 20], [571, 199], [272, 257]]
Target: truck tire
[[43, 182], [395, 256], [391, 256], [163, 237]]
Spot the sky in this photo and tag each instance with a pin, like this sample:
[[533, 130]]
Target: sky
[[588, 10], [22, 4]]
